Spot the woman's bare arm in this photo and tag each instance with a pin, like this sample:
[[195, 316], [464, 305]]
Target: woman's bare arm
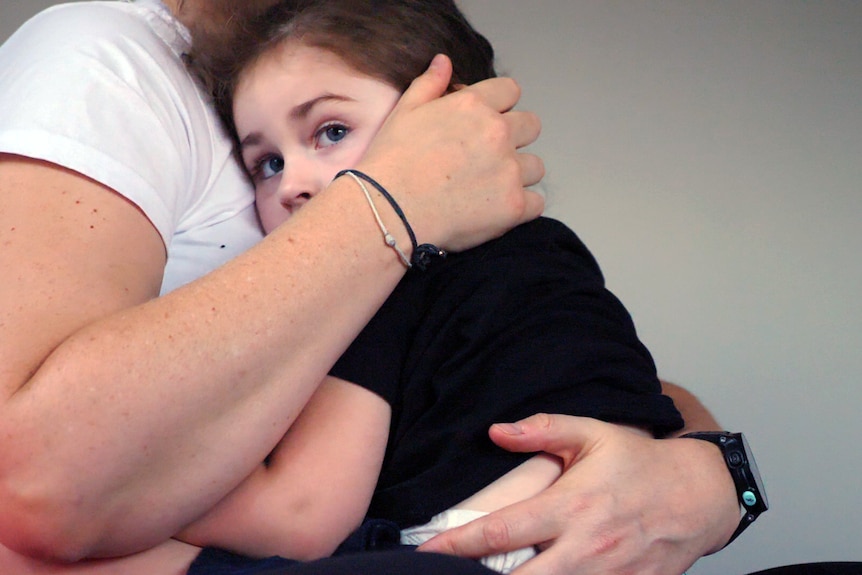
[[125, 416], [170, 558]]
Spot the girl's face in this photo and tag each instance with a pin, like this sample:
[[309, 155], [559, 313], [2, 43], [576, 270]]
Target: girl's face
[[302, 115]]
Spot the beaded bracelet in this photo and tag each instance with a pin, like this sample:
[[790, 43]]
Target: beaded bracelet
[[422, 254]]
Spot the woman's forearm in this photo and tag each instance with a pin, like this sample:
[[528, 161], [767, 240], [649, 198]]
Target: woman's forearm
[[148, 416], [133, 418]]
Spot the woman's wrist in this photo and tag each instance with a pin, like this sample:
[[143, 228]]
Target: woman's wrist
[[718, 493], [422, 255], [379, 232]]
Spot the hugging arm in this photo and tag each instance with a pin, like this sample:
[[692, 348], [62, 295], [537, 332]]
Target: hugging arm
[[126, 415]]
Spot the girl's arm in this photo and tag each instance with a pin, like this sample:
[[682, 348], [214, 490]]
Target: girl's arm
[[316, 487]]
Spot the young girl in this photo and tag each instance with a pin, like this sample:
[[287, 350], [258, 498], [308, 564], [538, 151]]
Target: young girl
[[519, 325]]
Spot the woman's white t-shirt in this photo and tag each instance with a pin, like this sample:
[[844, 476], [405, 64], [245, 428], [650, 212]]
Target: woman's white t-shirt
[[101, 88]]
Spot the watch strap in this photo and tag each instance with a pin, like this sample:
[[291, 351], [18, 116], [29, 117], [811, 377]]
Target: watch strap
[[746, 479]]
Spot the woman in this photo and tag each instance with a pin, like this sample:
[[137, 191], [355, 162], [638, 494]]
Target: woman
[[127, 415]]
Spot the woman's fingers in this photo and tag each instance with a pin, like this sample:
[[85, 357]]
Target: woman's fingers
[[454, 162]]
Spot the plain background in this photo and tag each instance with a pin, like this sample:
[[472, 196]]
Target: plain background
[[710, 154]]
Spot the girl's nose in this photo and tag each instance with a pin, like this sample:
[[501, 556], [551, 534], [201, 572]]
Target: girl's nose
[[300, 182]]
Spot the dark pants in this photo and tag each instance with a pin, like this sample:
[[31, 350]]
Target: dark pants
[[373, 549], [394, 562]]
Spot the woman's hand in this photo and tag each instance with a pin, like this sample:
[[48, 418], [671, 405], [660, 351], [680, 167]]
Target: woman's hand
[[453, 162], [626, 503]]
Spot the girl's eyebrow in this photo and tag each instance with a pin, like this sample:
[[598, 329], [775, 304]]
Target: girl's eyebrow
[[299, 112], [252, 139]]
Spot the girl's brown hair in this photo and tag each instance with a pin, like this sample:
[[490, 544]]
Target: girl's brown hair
[[392, 40]]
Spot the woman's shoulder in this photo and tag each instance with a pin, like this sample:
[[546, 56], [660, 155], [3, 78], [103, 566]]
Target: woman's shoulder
[[78, 21], [98, 31]]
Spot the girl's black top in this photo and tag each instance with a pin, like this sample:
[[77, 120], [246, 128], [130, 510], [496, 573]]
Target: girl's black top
[[517, 326]]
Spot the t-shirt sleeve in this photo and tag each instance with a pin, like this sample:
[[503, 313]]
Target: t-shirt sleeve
[[376, 358], [90, 88]]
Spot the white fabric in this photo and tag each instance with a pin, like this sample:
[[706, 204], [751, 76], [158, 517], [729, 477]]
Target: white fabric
[[100, 88], [504, 562]]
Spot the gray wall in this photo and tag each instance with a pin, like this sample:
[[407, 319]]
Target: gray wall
[[710, 153]]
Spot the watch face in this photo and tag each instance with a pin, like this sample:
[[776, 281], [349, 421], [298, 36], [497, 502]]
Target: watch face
[[755, 473]]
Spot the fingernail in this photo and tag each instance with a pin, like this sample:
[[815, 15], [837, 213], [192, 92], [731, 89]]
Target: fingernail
[[435, 63], [510, 428]]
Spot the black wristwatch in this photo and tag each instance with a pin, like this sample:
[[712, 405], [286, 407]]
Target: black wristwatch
[[743, 469]]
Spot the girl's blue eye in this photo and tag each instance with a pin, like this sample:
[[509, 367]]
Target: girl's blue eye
[[331, 135], [271, 166]]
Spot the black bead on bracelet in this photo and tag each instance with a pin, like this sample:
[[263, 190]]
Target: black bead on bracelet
[[423, 254]]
